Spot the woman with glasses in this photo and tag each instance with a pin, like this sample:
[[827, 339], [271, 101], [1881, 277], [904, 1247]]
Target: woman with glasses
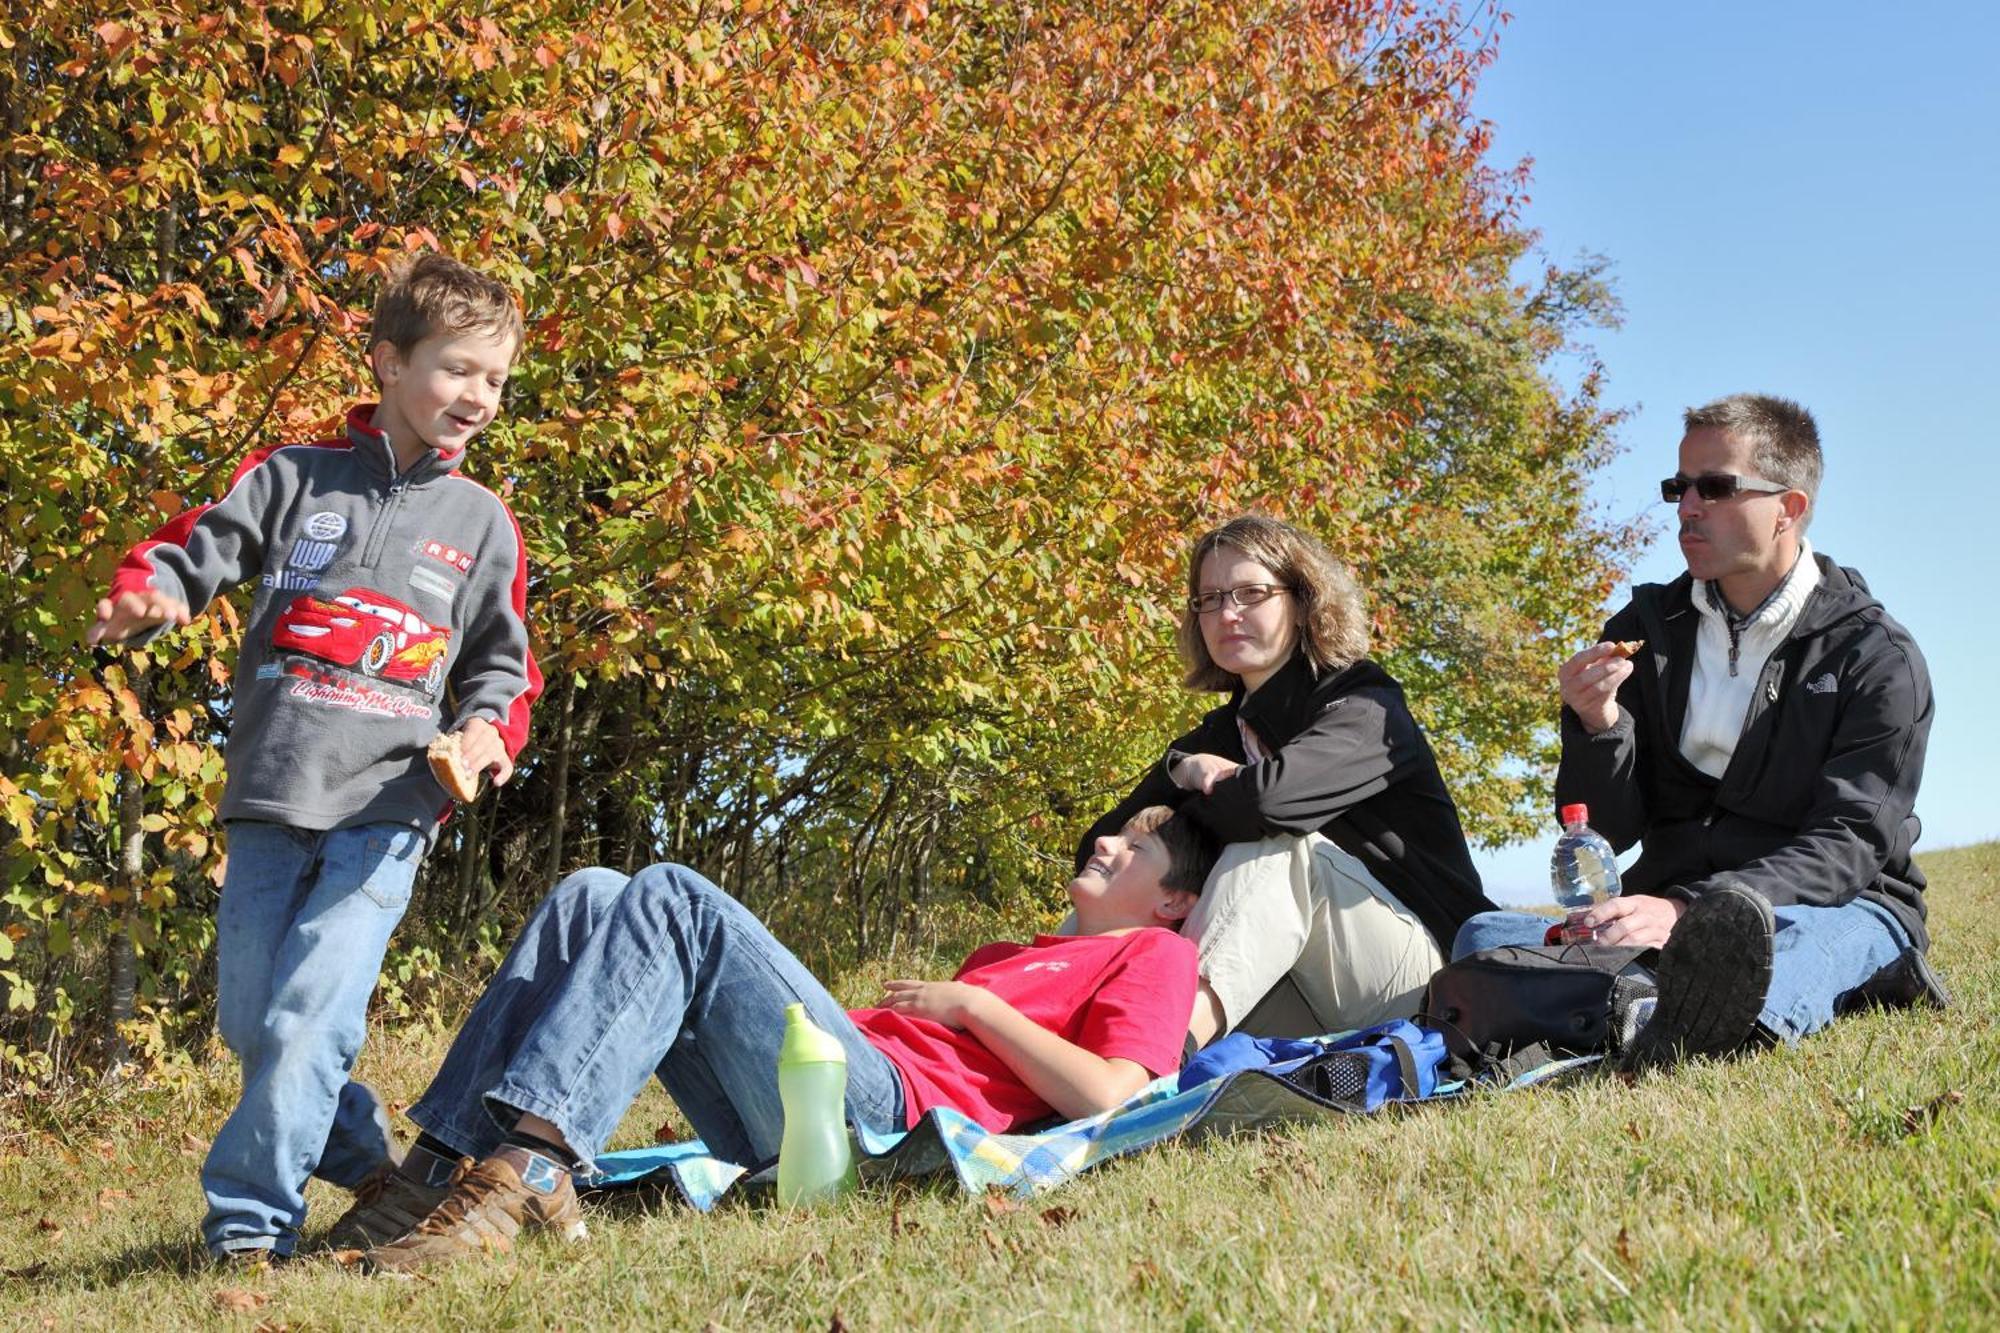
[[1300, 934]]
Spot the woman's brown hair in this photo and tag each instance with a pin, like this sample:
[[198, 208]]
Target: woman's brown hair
[[1326, 599]]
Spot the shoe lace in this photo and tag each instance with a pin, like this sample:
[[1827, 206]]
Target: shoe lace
[[373, 1186], [471, 1183]]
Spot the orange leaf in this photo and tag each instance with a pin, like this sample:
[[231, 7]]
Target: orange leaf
[[115, 36]]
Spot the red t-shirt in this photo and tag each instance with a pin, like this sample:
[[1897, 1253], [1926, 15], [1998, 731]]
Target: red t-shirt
[[1118, 996]]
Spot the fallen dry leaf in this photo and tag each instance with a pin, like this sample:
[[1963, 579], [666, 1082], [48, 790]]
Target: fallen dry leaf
[[31, 1271], [1625, 1248], [346, 1258], [1058, 1216], [998, 1204], [238, 1301], [193, 1145], [107, 1196], [50, 1227], [1916, 1119]]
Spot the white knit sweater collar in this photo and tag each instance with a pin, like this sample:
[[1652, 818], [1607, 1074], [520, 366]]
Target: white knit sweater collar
[[1779, 610], [1730, 652]]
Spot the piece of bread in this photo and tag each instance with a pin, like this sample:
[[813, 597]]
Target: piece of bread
[[450, 770], [1626, 647]]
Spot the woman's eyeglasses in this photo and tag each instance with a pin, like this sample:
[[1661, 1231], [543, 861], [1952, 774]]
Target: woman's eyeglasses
[[1713, 486], [1243, 596]]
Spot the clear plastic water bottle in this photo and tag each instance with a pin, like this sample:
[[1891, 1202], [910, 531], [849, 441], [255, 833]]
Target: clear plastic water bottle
[[1583, 872], [815, 1159]]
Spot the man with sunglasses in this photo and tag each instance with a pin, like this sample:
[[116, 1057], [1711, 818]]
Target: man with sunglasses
[[1764, 744]]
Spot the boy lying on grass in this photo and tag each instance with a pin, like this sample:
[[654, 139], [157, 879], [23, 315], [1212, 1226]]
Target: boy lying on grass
[[615, 978]]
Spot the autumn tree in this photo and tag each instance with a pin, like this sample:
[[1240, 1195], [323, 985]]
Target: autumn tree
[[882, 360]]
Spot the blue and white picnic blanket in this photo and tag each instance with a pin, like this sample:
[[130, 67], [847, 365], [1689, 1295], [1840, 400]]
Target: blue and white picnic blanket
[[1024, 1164]]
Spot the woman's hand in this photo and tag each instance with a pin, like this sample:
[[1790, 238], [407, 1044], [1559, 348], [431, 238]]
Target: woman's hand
[[948, 1002], [1200, 772]]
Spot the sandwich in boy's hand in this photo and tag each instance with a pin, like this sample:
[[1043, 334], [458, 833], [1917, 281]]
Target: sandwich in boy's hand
[[448, 766], [1626, 647]]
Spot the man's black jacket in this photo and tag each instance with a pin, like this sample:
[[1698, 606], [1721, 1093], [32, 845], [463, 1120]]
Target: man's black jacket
[[1347, 761], [1816, 804]]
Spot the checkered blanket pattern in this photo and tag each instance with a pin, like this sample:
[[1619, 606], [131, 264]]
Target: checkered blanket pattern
[[1024, 1164]]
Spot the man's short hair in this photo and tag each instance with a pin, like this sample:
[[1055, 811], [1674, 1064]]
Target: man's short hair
[[1782, 435], [1191, 852], [433, 294], [1326, 599]]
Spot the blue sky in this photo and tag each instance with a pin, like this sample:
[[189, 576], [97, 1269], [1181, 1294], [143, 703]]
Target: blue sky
[[1798, 200]]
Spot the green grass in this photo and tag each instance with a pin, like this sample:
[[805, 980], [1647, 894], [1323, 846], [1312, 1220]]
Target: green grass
[[1796, 1189]]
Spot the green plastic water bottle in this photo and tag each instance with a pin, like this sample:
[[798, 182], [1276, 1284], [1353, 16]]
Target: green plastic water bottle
[[815, 1159]]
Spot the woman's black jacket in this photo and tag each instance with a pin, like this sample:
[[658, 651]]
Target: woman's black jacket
[[1348, 761]]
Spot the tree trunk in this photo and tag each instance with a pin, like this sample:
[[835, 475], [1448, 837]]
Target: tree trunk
[[559, 782], [122, 984], [470, 855]]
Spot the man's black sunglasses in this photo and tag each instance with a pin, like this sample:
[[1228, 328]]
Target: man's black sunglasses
[[1713, 486]]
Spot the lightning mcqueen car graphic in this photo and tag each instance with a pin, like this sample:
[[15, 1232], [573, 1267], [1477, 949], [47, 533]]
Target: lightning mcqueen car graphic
[[369, 631]]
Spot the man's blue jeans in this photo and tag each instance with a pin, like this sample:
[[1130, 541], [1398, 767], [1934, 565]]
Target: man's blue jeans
[[304, 920], [1819, 955], [614, 978]]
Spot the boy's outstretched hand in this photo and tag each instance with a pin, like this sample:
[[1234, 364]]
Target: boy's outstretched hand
[[120, 617], [948, 1002], [481, 751]]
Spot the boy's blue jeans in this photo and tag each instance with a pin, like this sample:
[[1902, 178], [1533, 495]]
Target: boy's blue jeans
[[305, 918], [1819, 955], [618, 977]]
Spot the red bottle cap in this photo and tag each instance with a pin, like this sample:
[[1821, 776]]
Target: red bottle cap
[[1574, 814]]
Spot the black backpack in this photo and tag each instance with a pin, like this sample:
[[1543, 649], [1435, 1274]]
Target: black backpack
[[1508, 1008]]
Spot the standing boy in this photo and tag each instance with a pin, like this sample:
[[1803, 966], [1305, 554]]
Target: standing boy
[[389, 607]]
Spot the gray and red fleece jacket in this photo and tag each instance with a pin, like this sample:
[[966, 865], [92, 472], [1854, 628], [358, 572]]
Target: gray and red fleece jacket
[[389, 607]]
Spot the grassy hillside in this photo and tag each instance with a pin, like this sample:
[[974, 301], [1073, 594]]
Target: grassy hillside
[[1852, 1181]]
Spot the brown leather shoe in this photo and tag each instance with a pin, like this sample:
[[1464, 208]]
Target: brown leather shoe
[[387, 1206], [490, 1204]]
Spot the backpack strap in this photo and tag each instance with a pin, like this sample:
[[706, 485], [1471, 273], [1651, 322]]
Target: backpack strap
[[1406, 1064]]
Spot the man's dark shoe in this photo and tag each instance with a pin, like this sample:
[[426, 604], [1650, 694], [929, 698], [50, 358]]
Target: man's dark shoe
[[1713, 974], [489, 1205], [1909, 982], [387, 1205]]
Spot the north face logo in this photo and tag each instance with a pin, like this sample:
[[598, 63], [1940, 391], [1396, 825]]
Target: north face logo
[[1824, 684]]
